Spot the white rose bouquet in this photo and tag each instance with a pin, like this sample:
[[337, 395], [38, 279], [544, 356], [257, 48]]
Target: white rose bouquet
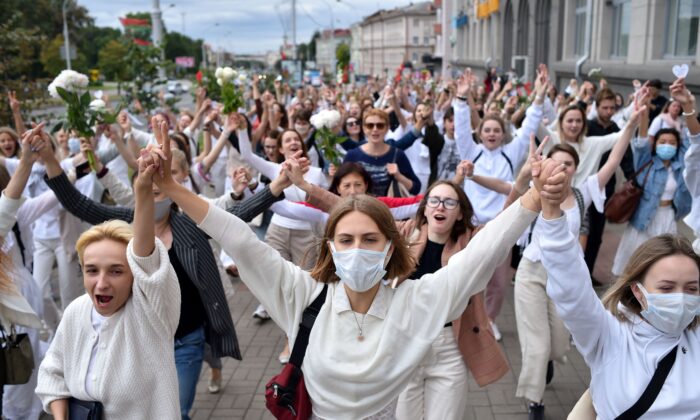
[[82, 113], [231, 92], [324, 122]]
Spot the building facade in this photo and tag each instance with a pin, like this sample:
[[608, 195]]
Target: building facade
[[626, 39], [389, 38], [326, 46]]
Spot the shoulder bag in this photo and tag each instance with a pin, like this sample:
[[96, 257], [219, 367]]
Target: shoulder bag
[[285, 394], [623, 204], [16, 358]]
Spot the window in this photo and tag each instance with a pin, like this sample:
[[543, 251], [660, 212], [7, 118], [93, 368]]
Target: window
[[426, 40], [621, 28], [682, 18], [416, 23], [414, 57], [580, 28], [415, 40]]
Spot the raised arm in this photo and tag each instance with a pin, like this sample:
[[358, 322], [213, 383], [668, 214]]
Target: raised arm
[[76, 203], [569, 287], [267, 168], [618, 151], [32, 143], [494, 184], [463, 127], [15, 106]]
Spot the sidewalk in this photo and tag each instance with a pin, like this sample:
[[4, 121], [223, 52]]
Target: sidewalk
[[242, 396]]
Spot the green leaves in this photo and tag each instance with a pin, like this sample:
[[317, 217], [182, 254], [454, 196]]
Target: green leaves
[[327, 142], [231, 97]]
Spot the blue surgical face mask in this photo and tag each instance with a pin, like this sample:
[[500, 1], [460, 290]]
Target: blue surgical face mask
[[360, 269], [670, 312], [161, 209], [666, 151], [74, 145]]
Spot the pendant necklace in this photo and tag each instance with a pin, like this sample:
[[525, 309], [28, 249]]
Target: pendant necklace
[[360, 337]]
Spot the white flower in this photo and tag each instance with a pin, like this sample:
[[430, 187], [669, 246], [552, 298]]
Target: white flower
[[228, 74], [70, 80], [98, 105], [325, 119], [219, 72], [242, 77], [220, 81]]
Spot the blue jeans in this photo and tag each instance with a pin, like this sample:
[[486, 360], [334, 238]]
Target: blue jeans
[[189, 353]]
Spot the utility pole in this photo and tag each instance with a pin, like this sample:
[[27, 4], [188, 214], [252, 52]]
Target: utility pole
[[158, 34], [66, 41], [294, 30], [183, 22]]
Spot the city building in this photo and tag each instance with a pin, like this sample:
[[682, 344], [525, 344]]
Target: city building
[[326, 46], [390, 38], [627, 40]]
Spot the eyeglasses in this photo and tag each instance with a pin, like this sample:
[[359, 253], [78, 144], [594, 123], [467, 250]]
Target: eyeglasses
[[378, 126], [270, 147], [352, 123], [447, 203]]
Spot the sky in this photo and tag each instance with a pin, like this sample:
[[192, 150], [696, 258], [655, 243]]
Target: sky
[[243, 26]]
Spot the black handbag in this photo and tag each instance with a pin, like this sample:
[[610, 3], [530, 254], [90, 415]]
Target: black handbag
[[16, 358], [84, 410]]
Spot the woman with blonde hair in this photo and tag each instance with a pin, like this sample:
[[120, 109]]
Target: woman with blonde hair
[[368, 338], [645, 327], [96, 360]]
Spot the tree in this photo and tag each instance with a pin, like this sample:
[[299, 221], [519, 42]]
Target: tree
[[342, 55], [92, 40], [52, 61], [312, 46], [177, 44], [111, 60], [18, 47]]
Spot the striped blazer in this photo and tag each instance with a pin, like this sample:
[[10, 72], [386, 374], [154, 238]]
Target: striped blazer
[[191, 247]]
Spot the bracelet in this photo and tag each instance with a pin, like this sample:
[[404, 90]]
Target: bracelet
[[236, 197], [689, 114], [102, 172]]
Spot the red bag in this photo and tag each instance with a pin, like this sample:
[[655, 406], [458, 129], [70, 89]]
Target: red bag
[[285, 395], [624, 202]]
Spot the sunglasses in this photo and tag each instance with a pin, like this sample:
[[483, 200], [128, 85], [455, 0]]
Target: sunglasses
[[352, 123], [378, 126], [448, 203]]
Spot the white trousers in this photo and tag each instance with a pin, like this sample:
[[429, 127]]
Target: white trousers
[[438, 389], [542, 334], [70, 283]]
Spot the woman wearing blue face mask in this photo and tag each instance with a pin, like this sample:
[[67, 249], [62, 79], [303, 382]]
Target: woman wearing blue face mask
[[659, 167], [368, 339], [646, 325]]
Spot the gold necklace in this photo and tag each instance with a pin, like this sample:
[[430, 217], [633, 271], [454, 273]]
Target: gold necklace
[[360, 337]]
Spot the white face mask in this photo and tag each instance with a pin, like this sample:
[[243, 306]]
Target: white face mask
[[360, 269], [670, 312], [161, 209]]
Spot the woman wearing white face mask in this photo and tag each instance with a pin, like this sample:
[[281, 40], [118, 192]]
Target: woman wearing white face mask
[[368, 338], [204, 304], [659, 165], [645, 327]]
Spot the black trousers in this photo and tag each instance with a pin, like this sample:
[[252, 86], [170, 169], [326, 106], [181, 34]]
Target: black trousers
[[595, 237]]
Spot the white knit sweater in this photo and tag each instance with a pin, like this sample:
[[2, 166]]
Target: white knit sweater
[[135, 361]]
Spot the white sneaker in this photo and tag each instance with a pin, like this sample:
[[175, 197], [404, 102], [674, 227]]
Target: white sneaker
[[261, 314], [496, 331]]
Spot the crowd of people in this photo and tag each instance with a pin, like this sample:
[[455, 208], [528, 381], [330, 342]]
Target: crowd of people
[[407, 243]]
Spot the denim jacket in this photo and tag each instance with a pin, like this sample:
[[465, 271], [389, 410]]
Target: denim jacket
[[656, 182]]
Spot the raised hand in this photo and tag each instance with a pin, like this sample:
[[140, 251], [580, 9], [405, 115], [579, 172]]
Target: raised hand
[[124, 121], [535, 160], [241, 179], [232, 122], [680, 93], [161, 155], [463, 86], [32, 144], [12, 99]]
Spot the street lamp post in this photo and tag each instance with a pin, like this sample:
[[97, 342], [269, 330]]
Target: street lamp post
[[158, 34], [66, 41]]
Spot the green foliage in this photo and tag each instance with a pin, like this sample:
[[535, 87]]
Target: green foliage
[[79, 116], [111, 60], [327, 143], [342, 55], [18, 46], [231, 97], [209, 83], [92, 40], [178, 45], [141, 63], [53, 62]]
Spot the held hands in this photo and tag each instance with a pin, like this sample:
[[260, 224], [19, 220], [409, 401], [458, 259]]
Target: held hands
[[465, 169], [33, 144], [295, 168], [241, 179], [124, 122]]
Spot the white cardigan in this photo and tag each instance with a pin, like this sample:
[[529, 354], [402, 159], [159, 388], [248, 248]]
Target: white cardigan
[[622, 355], [347, 378], [135, 362]]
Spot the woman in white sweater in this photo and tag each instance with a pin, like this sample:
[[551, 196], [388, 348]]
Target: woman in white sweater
[[132, 304], [368, 338], [650, 312]]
